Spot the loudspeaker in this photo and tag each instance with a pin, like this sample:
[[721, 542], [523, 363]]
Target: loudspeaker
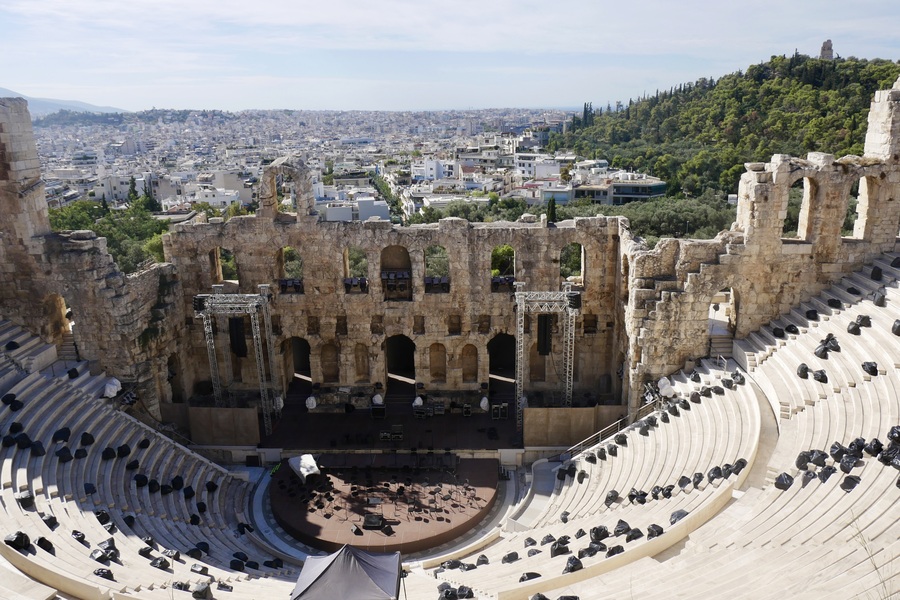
[[356, 530], [236, 336], [198, 303], [545, 334], [387, 530], [574, 300]]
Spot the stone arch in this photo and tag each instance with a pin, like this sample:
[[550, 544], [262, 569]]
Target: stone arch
[[356, 270], [278, 174], [396, 273], [330, 357], [798, 220], [437, 269], [400, 362], [860, 199], [469, 359], [437, 363], [58, 319], [361, 360], [503, 268]]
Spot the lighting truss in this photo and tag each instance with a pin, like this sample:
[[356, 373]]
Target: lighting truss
[[544, 302]]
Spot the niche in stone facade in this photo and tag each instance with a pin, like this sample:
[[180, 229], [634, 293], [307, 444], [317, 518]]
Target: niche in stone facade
[[469, 360], [396, 273], [299, 358], [454, 325], [437, 363], [400, 361], [331, 363], [502, 356], [361, 358], [340, 326]]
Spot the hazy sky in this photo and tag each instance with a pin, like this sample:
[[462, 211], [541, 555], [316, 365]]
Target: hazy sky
[[409, 54]]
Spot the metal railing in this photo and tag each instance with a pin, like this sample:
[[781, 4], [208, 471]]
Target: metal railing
[[611, 430]]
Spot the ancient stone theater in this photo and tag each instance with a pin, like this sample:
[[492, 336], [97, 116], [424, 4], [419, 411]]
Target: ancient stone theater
[[703, 419]]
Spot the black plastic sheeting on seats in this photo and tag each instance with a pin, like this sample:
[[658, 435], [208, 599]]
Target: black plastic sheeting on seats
[[853, 328], [580, 534], [590, 457], [695, 376], [803, 371], [713, 474], [820, 376], [695, 397], [792, 329], [601, 453], [848, 463], [684, 481], [664, 417], [655, 491], [653, 531], [863, 320], [614, 550], [894, 434], [895, 328], [144, 444], [826, 472], [697, 479], [778, 332], [611, 496], [808, 476], [86, 439], [856, 447], [874, 447], [812, 315], [878, 299], [203, 547], [80, 453], [803, 460], [818, 457], [783, 481], [871, 368], [835, 303], [528, 576], [821, 351], [677, 516], [558, 549], [104, 573], [108, 454], [832, 343], [876, 274], [621, 439], [854, 291], [587, 552], [622, 527], [45, 545], [837, 451], [533, 552], [50, 521], [849, 483], [599, 533], [706, 392], [547, 539], [510, 557], [634, 534], [572, 565], [612, 450], [530, 542]]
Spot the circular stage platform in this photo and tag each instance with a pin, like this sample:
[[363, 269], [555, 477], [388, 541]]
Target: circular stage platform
[[408, 505]]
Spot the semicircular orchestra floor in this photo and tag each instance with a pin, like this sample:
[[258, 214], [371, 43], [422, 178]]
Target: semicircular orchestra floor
[[384, 503]]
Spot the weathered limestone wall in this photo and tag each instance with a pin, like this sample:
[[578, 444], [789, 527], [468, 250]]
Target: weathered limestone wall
[[125, 325], [670, 288], [370, 319]]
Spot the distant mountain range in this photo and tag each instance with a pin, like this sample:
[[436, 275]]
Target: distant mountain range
[[45, 106]]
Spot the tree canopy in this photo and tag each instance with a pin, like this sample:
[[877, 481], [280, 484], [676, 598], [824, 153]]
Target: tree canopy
[[697, 136]]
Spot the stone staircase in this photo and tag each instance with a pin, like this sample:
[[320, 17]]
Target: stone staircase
[[67, 351], [720, 345]]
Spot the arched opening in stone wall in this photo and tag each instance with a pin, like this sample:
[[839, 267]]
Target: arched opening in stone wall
[[330, 357], [289, 266], [361, 360], [503, 268], [396, 273], [797, 224], [502, 365], [437, 363], [400, 362], [859, 201], [228, 266], [58, 325], [175, 380], [469, 363], [537, 364], [300, 358], [356, 271], [723, 319], [437, 270], [571, 264]]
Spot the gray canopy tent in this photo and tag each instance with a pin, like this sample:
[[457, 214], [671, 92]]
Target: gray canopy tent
[[349, 574]]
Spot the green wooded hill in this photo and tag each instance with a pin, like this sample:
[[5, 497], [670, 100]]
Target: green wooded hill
[[696, 136]]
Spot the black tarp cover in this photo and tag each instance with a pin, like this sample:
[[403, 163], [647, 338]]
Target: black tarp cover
[[350, 574]]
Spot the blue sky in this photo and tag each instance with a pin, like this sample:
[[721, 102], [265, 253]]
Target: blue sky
[[409, 54]]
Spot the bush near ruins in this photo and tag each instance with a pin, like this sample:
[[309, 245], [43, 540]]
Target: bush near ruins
[[132, 235]]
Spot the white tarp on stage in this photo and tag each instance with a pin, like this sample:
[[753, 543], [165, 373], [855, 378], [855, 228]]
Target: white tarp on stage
[[304, 466]]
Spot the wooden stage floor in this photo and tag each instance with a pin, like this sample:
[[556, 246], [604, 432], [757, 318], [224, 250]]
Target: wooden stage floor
[[424, 507]]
